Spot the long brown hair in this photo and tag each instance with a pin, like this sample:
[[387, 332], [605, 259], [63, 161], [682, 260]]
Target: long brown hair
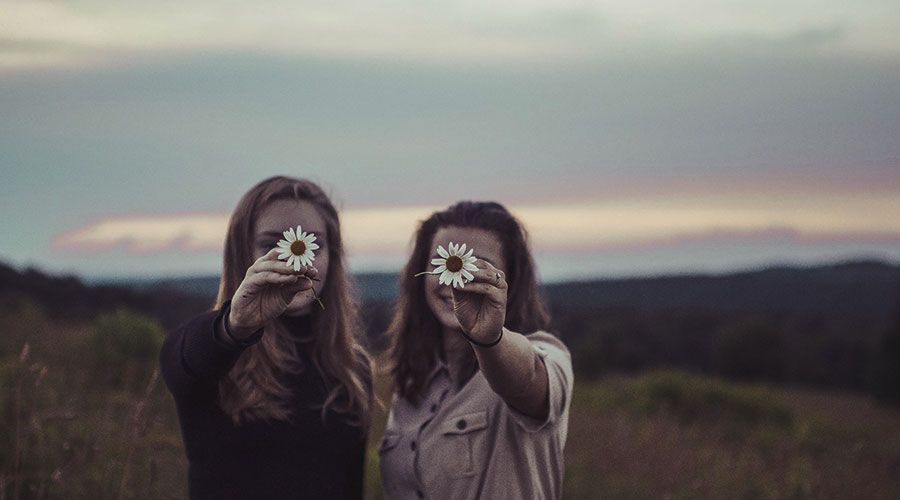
[[416, 332], [254, 388]]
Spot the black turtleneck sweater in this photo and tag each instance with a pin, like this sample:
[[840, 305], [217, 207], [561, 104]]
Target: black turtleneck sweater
[[304, 458]]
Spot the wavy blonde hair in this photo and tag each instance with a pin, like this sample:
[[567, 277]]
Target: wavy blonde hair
[[254, 389]]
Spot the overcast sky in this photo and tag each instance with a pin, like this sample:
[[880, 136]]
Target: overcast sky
[[631, 137]]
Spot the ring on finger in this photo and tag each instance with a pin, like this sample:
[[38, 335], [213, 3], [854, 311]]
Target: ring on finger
[[497, 278]]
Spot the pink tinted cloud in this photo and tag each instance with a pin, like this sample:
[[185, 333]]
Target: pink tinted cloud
[[387, 232], [724, 235], [147, 234]]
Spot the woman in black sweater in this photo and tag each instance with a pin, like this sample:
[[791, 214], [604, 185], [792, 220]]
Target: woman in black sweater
[[272, 387]]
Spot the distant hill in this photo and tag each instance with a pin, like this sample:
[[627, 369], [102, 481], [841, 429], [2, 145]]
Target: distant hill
[[822, 325], [371, 286], [202, 286], [850, 289], [859, 289], [68, 298]]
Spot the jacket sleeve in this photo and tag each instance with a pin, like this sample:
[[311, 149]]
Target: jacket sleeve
[[558, 362], [193, 358]]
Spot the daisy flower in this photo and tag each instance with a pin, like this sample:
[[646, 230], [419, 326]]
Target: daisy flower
[[297, 248], [455, 265]]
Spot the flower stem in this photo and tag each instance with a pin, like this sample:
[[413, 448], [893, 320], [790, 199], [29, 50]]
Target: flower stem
[[313, 290]]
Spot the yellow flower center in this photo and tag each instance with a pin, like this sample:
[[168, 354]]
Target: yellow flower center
[[454, 264], [298, 247]]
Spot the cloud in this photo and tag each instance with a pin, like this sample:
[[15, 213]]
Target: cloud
[[781, 235], [817, 35], [148, 234], [583, 227], [452, 31]]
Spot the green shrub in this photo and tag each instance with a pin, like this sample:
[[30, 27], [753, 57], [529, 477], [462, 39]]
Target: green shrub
[[750, 348], [692, 398], [20, 319], [126, 336], [125, 346], [887, 367]]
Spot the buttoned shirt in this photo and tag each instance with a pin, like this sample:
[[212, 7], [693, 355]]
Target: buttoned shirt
[[468, 443]]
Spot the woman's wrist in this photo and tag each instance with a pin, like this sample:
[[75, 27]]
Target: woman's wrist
[[237, 333], [484, 345], [234, 326]]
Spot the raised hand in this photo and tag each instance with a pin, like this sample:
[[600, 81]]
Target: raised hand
[[480, 307], [264, 294]]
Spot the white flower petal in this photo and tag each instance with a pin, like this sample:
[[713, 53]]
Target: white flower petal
[[462, 249], [439, 269], [283, 244], [311, 238], [443, 253], [469, 267], [469, 253], [287, 236], [313, 246], [285, 255], [467, 275], [458, 280], [297, 264], [438, 262]]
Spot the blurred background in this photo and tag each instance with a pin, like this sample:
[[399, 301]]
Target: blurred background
[[712, 190]]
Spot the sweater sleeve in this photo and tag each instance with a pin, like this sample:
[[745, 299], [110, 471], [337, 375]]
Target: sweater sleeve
[[193, 358]]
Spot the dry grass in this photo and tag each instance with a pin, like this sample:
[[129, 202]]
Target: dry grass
[[73, 427], [618, 450], [68, 429]]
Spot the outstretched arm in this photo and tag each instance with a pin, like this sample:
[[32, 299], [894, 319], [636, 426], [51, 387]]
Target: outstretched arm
[[512, 367]]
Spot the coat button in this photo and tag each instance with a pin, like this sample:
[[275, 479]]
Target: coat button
[[461, 424], [412, 445]]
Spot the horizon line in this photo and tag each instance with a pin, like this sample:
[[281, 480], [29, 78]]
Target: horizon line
[[95, 279]]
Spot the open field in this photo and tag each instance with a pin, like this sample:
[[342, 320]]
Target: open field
[[83, 422]]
